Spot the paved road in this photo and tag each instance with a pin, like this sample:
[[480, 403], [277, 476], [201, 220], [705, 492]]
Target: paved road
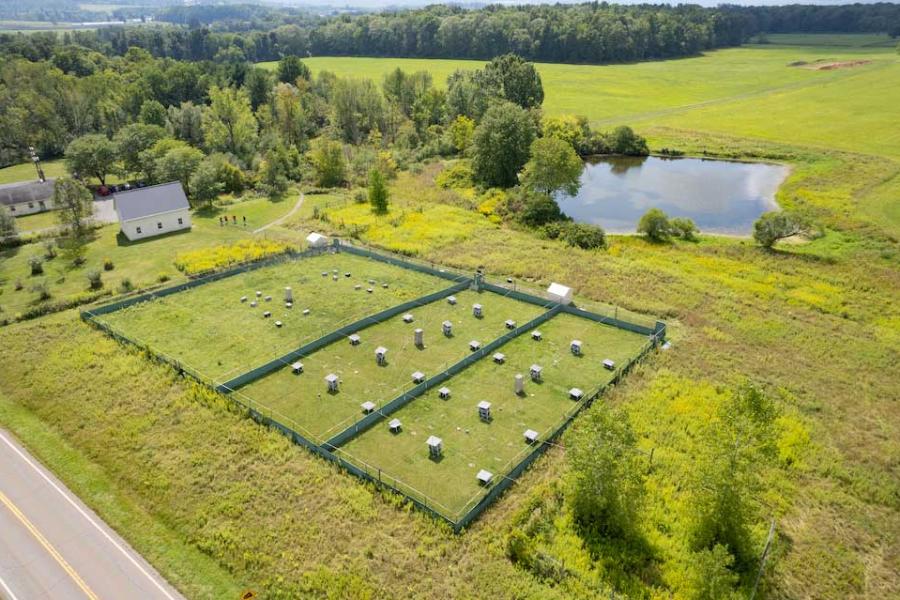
[[53, 547]]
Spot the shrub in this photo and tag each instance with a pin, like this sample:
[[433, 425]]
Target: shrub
[[50, 250], [42, 291], [655, 225], [19, 285], [584, 235], [458, 176], [108, 264], [37, 265], [684, 228], [774, 226], [163, 277], [539, 209], [126, 285], [360, 197], [94, 279]]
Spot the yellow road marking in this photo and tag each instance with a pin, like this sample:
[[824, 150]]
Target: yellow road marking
[[48, 547]]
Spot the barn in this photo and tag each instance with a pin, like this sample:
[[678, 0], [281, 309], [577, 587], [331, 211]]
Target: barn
[[27, 197]]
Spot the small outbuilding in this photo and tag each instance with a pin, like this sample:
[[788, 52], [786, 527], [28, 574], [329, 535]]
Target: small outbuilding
[[531, 436], [576, 347], [354, 339], [510, 324], [536, 372], [381, 355], [536, 335], [395, 425], [27, 197], [408, 318], [297, 367], [444, 393], [558, 292], [153, 210], [451, 299], [418, 377], [316, 240], [477, 310], [447, 328], [367, 406], [499, 358], [474, 345], [609, 364], [576, 394]]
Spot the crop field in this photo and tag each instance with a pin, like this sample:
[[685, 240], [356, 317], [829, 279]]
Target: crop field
[[304, 399], [471, 444], [210, 330]]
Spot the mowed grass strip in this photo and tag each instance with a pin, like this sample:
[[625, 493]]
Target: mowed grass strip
[[305, 400], [210, 330], [471, 444]]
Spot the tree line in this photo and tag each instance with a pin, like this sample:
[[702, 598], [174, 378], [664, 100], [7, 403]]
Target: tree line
[[583, 33]]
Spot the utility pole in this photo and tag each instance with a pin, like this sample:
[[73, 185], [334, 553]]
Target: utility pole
[[37, 164]]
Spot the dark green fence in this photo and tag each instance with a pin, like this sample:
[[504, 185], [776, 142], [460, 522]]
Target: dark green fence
[[306, 349], [403, 399], [330, 449]]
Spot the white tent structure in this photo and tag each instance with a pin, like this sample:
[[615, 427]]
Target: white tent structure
[[560, 293]]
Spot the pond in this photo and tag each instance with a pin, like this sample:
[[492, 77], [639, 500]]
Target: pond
[[720, 196]]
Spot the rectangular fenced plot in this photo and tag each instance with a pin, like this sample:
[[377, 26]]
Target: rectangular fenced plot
[[305, 399], [221, 329], [472, 443]]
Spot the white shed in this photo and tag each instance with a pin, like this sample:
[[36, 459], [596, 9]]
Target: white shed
[[560, 293], [316, 240], [153, 210]]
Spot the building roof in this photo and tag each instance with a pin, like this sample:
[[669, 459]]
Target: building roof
[[558, 289], [152, 200], [26, 191]]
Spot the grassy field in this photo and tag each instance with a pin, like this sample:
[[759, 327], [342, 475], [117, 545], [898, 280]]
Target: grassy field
[[210, 329], [854, 40], [37, 221], [142, 263], [27, 172], [471, 444], [304, 399], [760, 97], [219, 504]]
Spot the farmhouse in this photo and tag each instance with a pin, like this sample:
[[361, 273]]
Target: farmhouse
[[27, 197], [154, 210]]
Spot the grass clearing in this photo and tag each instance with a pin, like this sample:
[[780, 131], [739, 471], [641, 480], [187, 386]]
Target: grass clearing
[[37, 221], [471, 444], [210, 330], [304, 399]]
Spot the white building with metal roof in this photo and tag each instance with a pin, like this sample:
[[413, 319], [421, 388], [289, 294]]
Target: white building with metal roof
[[154, 210]]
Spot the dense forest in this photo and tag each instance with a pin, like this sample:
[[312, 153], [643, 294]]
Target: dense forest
[[583, 33]]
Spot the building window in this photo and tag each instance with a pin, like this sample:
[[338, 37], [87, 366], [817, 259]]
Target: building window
[[31, 205], [139, 230], [180, 221], [159, 225]]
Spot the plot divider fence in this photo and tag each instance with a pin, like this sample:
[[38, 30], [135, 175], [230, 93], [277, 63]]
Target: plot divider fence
[[330, 449]]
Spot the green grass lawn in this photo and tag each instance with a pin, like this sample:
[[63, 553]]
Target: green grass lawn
[[471, 444], [210, 330], [26, 171], [305, 401], [856, 40], [141, 262], [37, 221]]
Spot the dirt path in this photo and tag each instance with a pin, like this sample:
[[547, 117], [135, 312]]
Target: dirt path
[[282, 218]]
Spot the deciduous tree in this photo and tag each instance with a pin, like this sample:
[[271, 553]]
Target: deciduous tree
[[553, 166], [228, 122], [501, 144], [91, 155]]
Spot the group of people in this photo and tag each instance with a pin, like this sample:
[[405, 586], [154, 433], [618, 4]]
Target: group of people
[[224, 220]]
